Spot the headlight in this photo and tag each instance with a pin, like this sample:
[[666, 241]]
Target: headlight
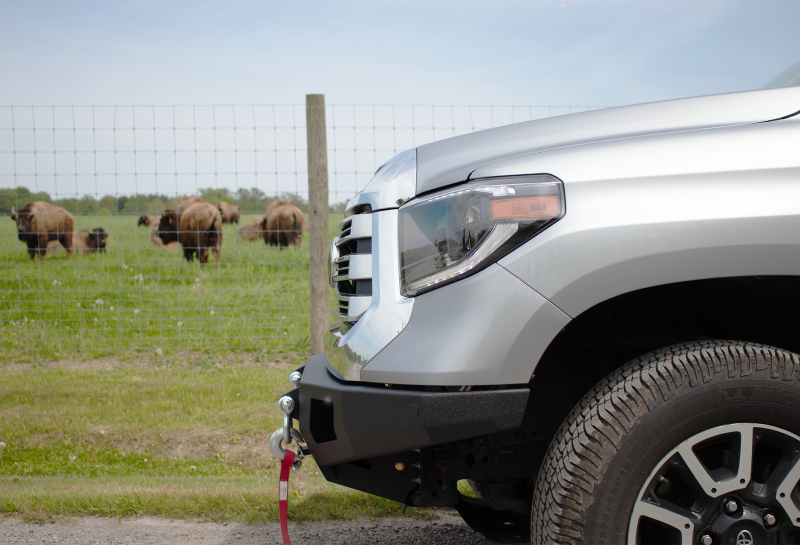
[[460, 231]]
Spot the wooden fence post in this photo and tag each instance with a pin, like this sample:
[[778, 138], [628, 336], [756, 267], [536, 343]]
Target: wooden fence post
[[318, 220]]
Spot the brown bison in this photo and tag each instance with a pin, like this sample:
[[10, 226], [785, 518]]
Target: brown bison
[[252, 231], [283, 225], [197, 229], [275, 204], [39, 222], [147, 221], [230, 212], [156, 242], [85, 241]]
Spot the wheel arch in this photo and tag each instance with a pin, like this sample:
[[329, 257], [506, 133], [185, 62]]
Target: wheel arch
[[608, 335]]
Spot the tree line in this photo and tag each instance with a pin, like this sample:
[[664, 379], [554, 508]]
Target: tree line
[[251, 200]]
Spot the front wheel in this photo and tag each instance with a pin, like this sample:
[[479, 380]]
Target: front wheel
[[693, 444]]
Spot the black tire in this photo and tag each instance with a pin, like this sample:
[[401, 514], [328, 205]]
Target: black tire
[[607, 447]]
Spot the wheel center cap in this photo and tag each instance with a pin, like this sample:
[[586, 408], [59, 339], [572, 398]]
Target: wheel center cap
[[744, 528]]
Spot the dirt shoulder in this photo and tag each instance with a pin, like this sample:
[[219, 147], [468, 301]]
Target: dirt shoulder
[[448, 529]]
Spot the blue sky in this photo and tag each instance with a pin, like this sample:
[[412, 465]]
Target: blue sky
[[591, 52], [503, 53]]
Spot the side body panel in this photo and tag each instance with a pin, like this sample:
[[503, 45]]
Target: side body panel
[[665, 208], [487, 329]]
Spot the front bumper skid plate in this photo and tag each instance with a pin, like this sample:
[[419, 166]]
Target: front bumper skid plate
[[344, 422]]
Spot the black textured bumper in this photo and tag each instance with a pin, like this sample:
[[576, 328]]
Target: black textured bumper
[[343, 421]]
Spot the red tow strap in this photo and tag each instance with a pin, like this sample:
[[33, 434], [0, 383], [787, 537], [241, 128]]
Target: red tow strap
[[283, 498]]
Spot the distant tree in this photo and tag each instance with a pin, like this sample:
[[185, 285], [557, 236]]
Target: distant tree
[[107, 205], [339, 207], [295, 199], [250, 201], [17, 197]]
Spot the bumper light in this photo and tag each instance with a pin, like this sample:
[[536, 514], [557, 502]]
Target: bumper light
[[457, 232]]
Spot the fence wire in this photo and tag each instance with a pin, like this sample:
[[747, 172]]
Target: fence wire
[[110, 165]]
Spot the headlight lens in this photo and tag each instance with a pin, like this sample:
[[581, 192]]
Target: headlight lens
[[460, 231]]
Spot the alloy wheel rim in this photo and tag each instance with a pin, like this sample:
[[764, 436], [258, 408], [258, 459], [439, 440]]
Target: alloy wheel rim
[[693, 490]]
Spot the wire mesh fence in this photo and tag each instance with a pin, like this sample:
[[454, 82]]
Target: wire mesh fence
[[119, 168]]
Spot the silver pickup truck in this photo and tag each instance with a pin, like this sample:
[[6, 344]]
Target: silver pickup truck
[[590, 321]]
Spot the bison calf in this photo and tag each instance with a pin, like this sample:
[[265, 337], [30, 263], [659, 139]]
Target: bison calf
[[85, 241], [39, 222], [252, 231], [197, 229], [147, 221]]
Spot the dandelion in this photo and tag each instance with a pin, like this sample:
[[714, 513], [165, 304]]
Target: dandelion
[[197, 279], [135, 311], [212, 312], [72, 458], [55, 282], [98, 302], [192, 468], [79, 304], [95, 318], [145, 460], [180, 324], [112, 308], [158, 352]]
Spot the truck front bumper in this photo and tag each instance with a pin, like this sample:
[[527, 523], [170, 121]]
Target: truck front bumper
[[365, 435]]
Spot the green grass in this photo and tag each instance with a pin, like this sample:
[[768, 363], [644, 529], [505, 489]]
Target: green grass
[[156, 405], [136, 300], [182, 438]]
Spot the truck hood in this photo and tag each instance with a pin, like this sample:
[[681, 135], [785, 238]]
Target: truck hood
[[452, 160]]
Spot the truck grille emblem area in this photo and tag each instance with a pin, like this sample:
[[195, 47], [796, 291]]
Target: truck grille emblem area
[[351, 267]]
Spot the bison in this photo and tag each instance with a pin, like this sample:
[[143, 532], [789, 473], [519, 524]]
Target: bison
[[197, 229], [85, 241], [283, 225], [147, 221], [252, 231], [230, 212], [156, 242], [39, 222], [275, 204]]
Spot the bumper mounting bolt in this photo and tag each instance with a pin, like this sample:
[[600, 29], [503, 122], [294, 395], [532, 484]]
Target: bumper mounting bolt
[[769, 519], [399, 466], [294, 378], [705, 539], [731, 506]]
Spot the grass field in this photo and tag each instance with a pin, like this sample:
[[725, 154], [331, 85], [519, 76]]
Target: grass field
[[186, 438], [134, 383], [136, 300]]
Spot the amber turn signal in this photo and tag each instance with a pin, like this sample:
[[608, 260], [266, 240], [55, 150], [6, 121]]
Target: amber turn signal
[[525, 207]]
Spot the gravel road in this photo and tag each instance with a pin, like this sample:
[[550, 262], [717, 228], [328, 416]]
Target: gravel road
[[447, 530]]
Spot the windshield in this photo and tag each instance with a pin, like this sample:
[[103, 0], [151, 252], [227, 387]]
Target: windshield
[[788, 78]]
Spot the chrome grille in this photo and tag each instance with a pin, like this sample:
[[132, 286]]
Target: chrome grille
[[351, 267]]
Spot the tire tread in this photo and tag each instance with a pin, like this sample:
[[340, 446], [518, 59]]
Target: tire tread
[[591, 434]]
